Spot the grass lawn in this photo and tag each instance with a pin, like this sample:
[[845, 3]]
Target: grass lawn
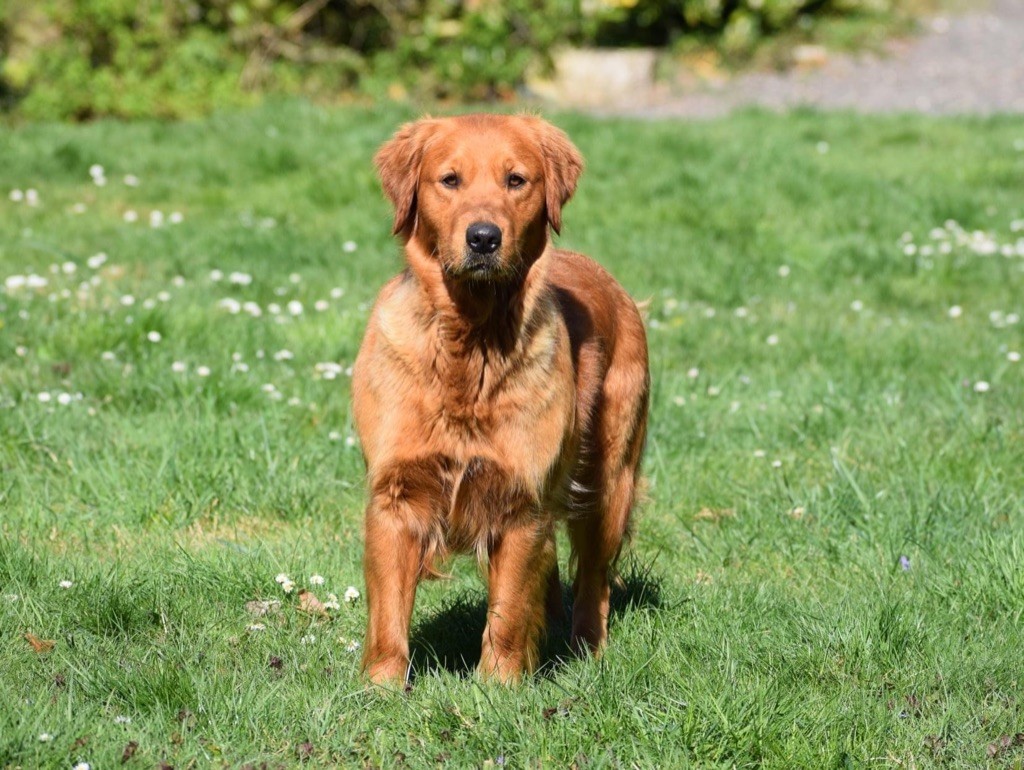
[[828, 569]]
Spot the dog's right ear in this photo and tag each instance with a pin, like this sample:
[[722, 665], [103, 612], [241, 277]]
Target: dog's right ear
[[398, 164]]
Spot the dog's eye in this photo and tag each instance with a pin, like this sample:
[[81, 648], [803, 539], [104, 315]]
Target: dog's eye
[[515, 181], [451, 181]]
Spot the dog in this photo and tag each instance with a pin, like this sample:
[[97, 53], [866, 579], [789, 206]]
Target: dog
[[502, 385]]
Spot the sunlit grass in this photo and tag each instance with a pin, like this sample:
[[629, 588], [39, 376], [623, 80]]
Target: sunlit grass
[[828, 568]]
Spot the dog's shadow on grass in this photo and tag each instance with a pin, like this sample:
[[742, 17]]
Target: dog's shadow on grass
[[449, 640]]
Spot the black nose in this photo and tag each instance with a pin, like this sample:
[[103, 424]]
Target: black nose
[[483, 237]]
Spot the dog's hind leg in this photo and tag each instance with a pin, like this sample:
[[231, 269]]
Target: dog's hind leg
[[597, 536]]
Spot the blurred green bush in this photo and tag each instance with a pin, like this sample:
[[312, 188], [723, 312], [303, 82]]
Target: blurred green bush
[[78, 59]]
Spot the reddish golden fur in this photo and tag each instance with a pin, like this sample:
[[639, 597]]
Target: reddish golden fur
[[491, 404]]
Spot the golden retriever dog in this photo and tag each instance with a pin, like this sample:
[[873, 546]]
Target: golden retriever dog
[[502, 386]]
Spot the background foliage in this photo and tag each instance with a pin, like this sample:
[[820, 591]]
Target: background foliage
[[171, 58]]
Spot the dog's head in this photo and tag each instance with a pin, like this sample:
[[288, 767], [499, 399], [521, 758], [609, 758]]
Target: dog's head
[[478, 192]]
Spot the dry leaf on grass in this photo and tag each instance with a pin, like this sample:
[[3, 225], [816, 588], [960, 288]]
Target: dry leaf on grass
[[39, 645], [258, 608], [309, 603], [129, 751]]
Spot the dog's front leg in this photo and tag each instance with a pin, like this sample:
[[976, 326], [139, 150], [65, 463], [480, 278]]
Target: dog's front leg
[[391, 564], [521, 562]]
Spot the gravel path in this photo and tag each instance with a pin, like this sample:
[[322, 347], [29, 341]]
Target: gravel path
[[971, 63]]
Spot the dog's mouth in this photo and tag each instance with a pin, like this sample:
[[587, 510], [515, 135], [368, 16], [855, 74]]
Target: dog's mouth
[[479, 267]]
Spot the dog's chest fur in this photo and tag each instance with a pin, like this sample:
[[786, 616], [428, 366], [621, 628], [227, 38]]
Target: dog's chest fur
[[490, 407]]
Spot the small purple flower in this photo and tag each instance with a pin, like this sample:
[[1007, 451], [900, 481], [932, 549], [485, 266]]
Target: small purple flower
[[904, 563]]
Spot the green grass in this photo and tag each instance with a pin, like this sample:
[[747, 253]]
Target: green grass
[[766, 619]]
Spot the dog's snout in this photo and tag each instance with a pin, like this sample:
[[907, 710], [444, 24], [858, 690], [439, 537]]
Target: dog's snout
[[483, 237]]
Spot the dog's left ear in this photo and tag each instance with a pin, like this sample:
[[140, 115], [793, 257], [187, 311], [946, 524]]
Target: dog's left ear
[[563, 165], [398, 164]]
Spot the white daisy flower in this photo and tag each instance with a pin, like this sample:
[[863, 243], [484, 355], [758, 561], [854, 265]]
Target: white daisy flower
[[131, 215], [44, 397], [351, 594], [316, 580], [65, 584], [45, 737], [981, 387], [203, 371], [96, 261], [179, 367], [349, 246], [295, 307], [154, 336]]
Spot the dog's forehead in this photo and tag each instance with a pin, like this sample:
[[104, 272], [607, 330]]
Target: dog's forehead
[[482, 140]]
